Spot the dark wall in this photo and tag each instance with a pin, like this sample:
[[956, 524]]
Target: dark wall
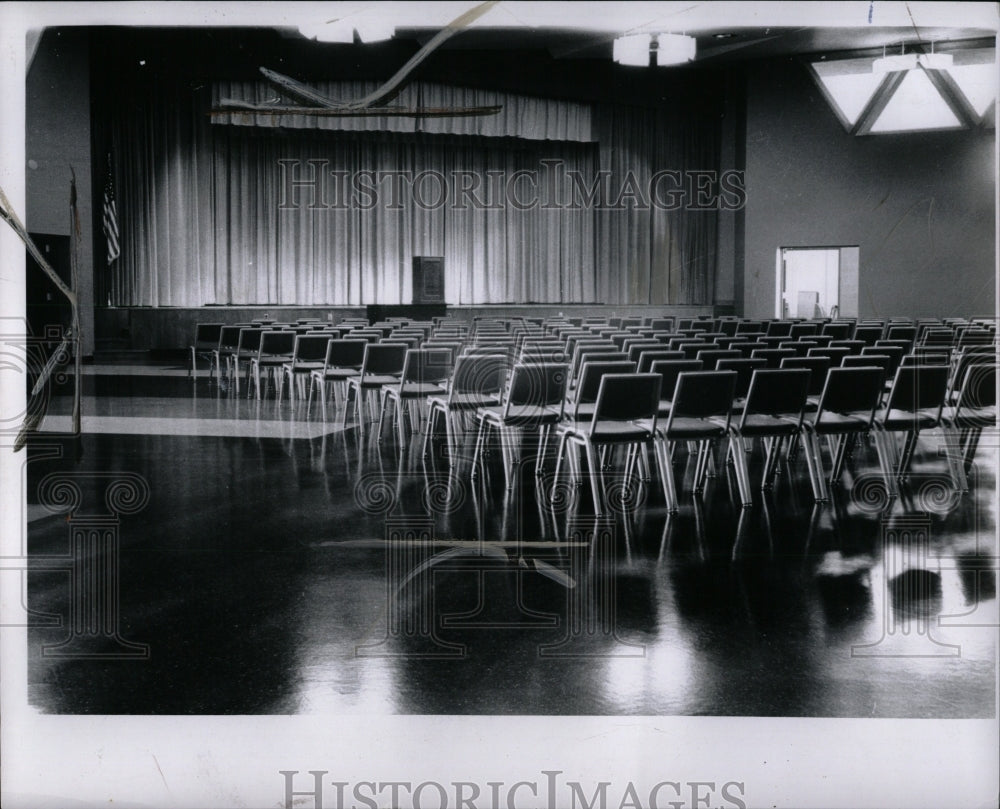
[[919, 205], [57, 145]]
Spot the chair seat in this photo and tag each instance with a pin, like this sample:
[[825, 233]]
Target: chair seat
[[832, 423], [417, 390], [584, 411], [762, 424], [465, 401], [691, 429], [336, 374], [530, 414], [271, 362], [374, 380], [304, 367], [664, 408], [607, 432], [970, 418], [907, 419]]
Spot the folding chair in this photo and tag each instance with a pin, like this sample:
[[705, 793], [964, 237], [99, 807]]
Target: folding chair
[[343, 360], [276, 348], [382, 365], [700, 413], [975, 408], [916, 403], [308, 355], [477, 382], [535, 399], [624, 414], [846, 408], [425, 372], [773, 412], [206, 340]]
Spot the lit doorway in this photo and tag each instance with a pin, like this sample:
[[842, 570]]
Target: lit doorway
[[817, 282]]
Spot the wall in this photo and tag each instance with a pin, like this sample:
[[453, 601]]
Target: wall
[[57, 133], [919, 205]]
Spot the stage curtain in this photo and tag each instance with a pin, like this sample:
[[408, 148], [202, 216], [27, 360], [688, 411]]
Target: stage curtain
[[653, 248], [202, 222]]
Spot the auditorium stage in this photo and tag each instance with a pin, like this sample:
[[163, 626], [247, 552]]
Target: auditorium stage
[[172, 328]]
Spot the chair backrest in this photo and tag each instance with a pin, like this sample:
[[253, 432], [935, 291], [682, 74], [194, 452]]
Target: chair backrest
[[701, 394], [838, 331], [427, 365], [777, 392], [277, 344], [635, 348], [383, 360], [908, 333], [868, 334], [747, 348], [852, 390], [710, 357], [893, 352], [541, 384], [206, 335], [867, 361], [345, 353], [817, 367], [627, 397], [229, 337], [670, 370], [651, 355], [779, 328], [800, 347], [249, 342], [483, 374], [922, 357], [744, 368], [801, 329], [590, 378], [853, 346], [918, 387], [835, 353], [979, 387], [310, 347], [773, 356]]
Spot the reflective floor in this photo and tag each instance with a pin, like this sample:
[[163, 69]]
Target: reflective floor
[[198, 553]]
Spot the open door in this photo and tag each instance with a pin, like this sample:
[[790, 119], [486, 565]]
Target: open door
[[817, 282]]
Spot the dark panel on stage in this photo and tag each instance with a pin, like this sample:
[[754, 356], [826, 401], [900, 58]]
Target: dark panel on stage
[[428, 279], [426, 311]]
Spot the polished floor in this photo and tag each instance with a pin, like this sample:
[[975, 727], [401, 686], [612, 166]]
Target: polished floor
[[198, 553]]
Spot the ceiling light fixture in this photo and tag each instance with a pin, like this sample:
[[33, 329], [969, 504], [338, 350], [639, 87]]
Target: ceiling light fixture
[[633, 50], [670, 49], [674, 49], [374, 32], [909, 61], [332, 31]]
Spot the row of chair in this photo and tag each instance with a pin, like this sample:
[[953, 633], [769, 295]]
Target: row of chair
[[700, 408]]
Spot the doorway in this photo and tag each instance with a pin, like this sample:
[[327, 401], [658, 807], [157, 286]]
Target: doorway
[[817, 282]]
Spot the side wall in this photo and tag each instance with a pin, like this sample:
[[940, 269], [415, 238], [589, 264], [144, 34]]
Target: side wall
[[919, 205], [57, 139]]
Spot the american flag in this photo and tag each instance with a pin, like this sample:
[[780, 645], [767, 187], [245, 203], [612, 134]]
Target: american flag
[[111, 217]]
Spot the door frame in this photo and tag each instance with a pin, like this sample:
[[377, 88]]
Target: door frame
[[779, 275]]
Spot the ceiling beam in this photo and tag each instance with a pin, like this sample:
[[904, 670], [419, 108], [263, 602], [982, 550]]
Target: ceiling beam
[[877, 103], [946, 85]]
